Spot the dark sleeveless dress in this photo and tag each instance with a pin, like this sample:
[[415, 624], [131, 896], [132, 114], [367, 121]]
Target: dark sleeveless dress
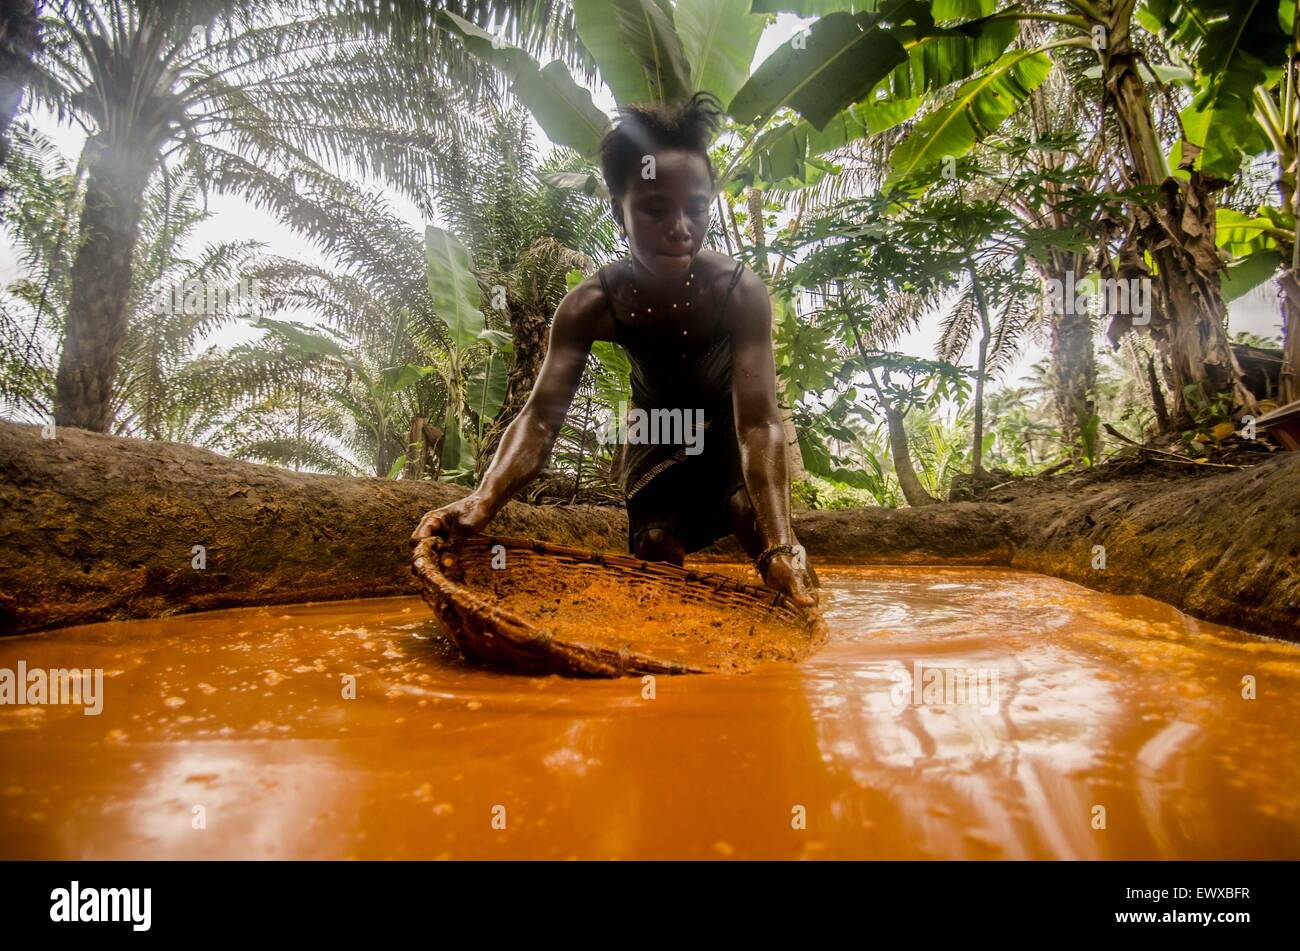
[[665, 487]]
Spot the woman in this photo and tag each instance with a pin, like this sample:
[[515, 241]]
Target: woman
[[697, 328]]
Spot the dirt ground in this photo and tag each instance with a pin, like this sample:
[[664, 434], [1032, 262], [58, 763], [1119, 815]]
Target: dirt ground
[[95, 527]]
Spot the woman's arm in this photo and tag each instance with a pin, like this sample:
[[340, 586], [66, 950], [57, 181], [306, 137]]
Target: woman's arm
[[527, 442], [759, 429]]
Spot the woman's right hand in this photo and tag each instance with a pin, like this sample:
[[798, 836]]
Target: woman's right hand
[[467, 516]]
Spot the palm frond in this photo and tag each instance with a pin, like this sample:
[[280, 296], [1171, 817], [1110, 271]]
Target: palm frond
[[958, 326]]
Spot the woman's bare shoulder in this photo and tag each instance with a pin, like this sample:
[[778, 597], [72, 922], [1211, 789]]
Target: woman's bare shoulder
[[744, 294], [719, 268], [584, 310]]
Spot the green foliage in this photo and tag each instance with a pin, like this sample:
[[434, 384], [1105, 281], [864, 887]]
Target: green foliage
[[640, 54], [562, 107], [168, 383], [1235, 46], [923, 160], [1207, 412], [1089, 425], [718, 38], [941, 448], [975, 110], [453, 289], [841, 59], [817, 493], [369, 395], [1258, 245]]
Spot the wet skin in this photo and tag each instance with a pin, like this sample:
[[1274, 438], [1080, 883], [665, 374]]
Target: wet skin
[[666, 219]]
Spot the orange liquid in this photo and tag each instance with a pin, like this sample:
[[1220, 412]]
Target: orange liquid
[[1102, 701]]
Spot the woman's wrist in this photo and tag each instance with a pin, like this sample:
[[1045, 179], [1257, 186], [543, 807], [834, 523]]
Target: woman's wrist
[[485, 503], [772, 551]]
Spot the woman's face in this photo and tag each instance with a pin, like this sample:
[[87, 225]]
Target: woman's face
[[666, 216]]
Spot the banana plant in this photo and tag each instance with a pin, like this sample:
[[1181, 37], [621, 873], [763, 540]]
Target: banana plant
[[472, 362], [1241, 57], [857, 69], [1231, 44], [930, 45], [1231, 48]]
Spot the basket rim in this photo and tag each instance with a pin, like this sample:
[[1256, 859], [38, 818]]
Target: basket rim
[[426, 567], [662, 568], [437, 585]]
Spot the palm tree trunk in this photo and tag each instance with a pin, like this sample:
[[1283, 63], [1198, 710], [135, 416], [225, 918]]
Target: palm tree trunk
[[117, 175], [20, 38], [1178, 231], [1074, 364]]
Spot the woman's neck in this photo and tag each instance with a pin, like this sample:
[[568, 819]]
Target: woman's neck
[[655, 291]]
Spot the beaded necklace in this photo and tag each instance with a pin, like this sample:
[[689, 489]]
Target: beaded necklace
[[688, 311]]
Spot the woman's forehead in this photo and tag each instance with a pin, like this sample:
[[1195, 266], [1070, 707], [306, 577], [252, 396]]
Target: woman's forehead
[[673, 171]]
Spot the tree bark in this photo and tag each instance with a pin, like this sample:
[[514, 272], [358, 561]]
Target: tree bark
[[416, 458], [913, 491], [20, 39], [757, 233], [908, 481], [1074, 362], [1158, 397], [434, 437], [117, 175]]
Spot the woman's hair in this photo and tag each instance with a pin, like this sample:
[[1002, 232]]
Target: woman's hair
[[642, 130]]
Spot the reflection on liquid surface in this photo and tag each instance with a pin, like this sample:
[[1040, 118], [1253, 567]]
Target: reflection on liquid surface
[[1098, 701]]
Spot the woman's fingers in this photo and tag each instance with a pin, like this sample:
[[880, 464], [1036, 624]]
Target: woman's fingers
[[790, 582], [431, 524], [801, 593]]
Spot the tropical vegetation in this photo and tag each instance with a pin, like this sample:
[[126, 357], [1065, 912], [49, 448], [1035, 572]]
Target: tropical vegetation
[[1097, 181]]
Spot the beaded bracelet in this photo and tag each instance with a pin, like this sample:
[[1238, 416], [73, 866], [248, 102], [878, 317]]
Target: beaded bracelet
[[762, 560]]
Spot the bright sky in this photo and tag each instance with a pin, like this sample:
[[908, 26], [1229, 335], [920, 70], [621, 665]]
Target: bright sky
[[234, 219]]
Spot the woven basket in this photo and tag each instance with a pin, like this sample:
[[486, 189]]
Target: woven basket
[[703, 623]]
